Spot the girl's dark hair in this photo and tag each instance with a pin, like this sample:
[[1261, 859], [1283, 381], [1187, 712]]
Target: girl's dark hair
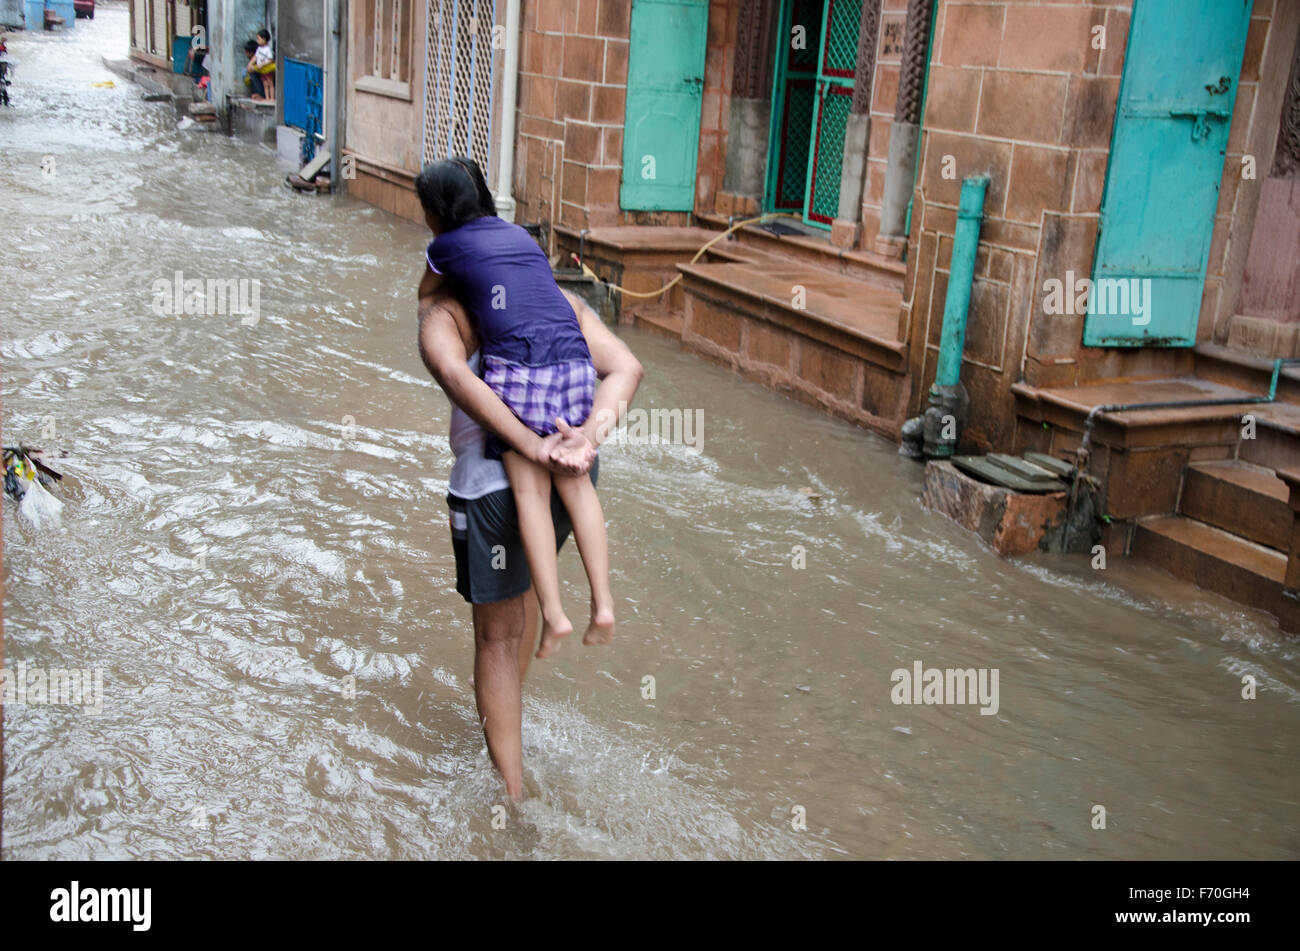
[[454, 192], [264, 35]]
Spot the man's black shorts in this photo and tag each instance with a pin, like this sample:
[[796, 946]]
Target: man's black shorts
[[490, 561]]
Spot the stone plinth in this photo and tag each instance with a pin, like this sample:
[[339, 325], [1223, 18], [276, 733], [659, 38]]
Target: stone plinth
[[1012, 523]]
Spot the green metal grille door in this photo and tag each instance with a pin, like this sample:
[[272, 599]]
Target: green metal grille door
[[1166, 162], [792, 171], [796, 95], [828, 154], [665, 86], [837, 62]]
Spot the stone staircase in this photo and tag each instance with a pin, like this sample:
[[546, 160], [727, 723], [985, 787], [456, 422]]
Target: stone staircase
[[819, 323], [1230, 534], [1209, 494]]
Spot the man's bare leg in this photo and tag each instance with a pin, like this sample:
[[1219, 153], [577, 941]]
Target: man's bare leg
[[498, 629], [532, 631]]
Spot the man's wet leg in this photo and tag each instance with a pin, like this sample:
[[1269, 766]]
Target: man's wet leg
[[498, 630], [532, 631]]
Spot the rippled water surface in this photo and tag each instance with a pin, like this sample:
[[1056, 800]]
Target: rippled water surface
[[232, 551]]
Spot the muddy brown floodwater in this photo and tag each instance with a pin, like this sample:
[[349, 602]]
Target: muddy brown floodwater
[[256, 514]]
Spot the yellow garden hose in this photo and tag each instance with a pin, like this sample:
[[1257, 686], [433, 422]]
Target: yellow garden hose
[[588, 272]]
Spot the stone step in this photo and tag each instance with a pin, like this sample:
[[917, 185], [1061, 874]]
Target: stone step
[[642, 258], [835, 309], [1068, 407], [1211, 558], [666, 323], [1155, 444], [810, 251], [1245, 371], [1238, 497], [1273, 441], [826, 339]]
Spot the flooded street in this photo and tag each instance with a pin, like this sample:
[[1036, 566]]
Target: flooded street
[[255, 514]]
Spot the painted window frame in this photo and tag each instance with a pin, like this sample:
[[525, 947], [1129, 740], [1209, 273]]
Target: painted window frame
[[386, 69]]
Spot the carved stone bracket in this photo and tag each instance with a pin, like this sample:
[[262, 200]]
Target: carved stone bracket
[[868, 38], [752, 70], [1286, 161]]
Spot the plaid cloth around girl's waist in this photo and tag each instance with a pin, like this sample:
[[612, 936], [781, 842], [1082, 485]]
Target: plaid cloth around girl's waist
[[538, 394]]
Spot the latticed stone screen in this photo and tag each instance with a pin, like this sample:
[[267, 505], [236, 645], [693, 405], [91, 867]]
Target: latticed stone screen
[[458, 84]]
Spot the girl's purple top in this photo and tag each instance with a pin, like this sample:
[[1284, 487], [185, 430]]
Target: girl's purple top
[[503, 277]]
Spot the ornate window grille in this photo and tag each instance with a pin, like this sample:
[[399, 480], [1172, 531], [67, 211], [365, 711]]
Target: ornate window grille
[[459, 80]]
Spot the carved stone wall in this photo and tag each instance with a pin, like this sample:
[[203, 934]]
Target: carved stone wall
[[916, 46], [868, 37], [752, 72], [1286, 161]]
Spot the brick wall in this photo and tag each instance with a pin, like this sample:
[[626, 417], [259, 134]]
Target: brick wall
[[1255, 122], [1018, 91], [572, 90], [572, 100], [884, 98], [719, 64]]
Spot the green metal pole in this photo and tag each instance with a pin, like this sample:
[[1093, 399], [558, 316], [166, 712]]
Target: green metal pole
[[956, 306]]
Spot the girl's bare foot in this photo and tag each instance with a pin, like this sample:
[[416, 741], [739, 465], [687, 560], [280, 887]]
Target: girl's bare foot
[[601, 628], [552, 633]]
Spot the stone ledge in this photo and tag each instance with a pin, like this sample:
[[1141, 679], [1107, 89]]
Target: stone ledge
[[814, 249], [836, 382], [1245, 371], [1011, 523], [640, 238], [151, 78], [733, 286]]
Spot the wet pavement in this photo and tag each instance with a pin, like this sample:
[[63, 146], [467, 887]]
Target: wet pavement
[[255, 525]]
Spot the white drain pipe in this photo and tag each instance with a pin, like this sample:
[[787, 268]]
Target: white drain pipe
[[336, 18], [509, 97]]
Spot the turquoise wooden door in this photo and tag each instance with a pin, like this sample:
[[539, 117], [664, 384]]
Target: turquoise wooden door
[[665, 86], [1166, 160]]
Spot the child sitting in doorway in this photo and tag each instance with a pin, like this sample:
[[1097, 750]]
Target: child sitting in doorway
[[261, 67]]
